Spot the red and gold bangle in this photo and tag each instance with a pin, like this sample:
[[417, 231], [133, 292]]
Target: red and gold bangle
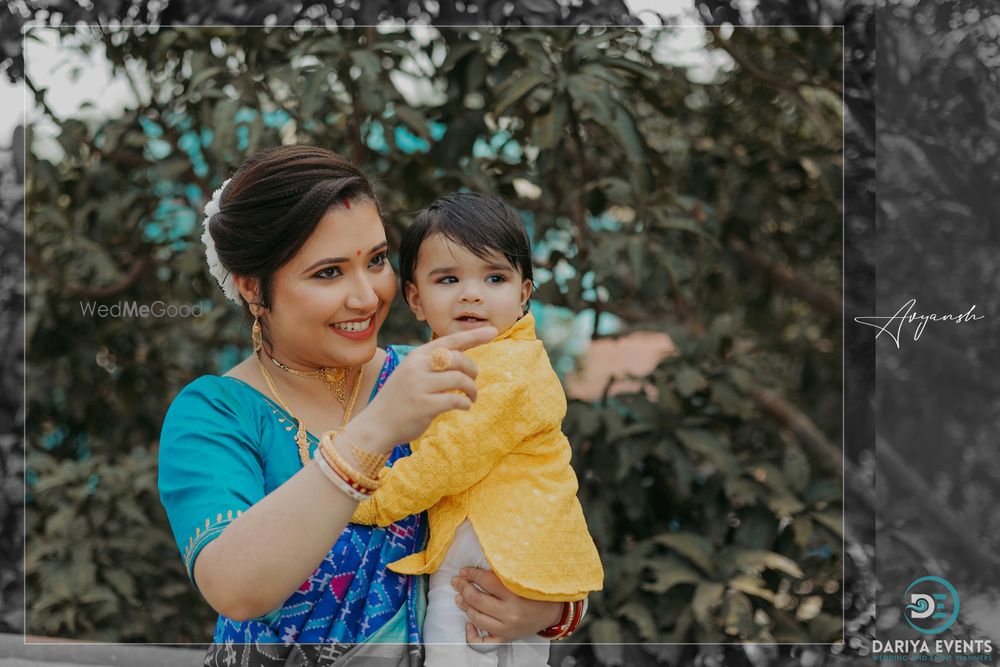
[[338, 463], [350, 482], [553, 631], [338, 480], [571, 617]]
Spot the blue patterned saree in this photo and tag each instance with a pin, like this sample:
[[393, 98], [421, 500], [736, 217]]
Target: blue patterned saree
[[224, 447]]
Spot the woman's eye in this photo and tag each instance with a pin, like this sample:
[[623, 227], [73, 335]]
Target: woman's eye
[[328, 273], [379, 260]]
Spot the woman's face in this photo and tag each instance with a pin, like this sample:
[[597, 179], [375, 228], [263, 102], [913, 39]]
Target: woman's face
[[329, 301]]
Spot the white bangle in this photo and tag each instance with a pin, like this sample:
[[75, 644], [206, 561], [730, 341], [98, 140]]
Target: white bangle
[[338, 481]]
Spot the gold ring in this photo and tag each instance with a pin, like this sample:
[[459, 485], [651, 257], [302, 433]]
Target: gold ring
[[440, 359]]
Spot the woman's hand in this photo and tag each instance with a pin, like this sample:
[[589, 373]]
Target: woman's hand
[[415, 393], [494, 609]]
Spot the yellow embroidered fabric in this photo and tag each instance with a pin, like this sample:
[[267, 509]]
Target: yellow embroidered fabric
[[505, 465]]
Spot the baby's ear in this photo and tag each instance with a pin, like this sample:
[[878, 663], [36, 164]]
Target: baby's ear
[[412, 296], [525, 294]]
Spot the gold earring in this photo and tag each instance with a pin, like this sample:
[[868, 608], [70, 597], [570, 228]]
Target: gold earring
[[256, 335]]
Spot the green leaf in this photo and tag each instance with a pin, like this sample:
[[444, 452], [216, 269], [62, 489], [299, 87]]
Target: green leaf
[[795, 466], [835, 522], [689, 381], [640, 69], [313, 94], [826, 628], [802, 529], [367, 61], [710, 446], [456, 53], [696, 548], [97, 594], [414, 119], [784, 504], [730, 402], [737, 614], [756, 561], [669, 572], [515, 88], [751, 585], [549, 127], [740, 491], [606, 631], [59, 522], [128, 508], [122, 582], [203, 75], [707, 597], [664, 220], [593, 96], [642, 617]]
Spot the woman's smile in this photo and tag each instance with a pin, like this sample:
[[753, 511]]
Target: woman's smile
[[355, 329]]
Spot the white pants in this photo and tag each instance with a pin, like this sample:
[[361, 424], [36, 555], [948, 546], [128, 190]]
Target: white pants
[[444, 624]]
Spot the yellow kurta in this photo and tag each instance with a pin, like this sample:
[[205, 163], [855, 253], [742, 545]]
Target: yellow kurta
[[504, 466]]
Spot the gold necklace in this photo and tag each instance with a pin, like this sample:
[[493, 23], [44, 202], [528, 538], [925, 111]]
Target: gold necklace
[[301, 439], [335, 378]]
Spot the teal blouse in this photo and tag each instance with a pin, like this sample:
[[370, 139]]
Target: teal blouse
[[224, 446]]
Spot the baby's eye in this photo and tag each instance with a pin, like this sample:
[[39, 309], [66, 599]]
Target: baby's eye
[[496, 278], [329, 273], [379, 260], [447, 280]]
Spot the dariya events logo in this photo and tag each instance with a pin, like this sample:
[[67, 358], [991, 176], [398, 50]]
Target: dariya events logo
[[930, 606]]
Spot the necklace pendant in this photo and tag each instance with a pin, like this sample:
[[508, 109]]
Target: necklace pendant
[[334, 375], [303, 442], [336, 381]]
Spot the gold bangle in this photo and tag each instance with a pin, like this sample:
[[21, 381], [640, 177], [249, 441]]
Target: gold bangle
[[371, 464], [337, 461], [336, 464]]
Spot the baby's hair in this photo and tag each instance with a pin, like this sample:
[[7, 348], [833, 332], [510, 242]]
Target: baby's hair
[[482, 224]]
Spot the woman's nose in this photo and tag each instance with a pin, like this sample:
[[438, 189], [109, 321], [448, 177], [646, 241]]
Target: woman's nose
[[362, 296]]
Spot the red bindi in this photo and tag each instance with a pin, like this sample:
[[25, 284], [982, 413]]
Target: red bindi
[[358, 253], [347, 203]]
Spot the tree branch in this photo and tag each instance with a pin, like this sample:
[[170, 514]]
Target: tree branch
[[827, 453], [130, 278], [818, 296], [783, 85]]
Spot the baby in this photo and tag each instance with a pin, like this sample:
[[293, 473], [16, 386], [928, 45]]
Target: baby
[[496, 479]]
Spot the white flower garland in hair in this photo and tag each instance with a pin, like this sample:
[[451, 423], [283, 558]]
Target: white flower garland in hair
[[219, 272]]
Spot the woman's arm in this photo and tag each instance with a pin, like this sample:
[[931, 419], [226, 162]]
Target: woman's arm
[[266, 553], [494, 609]]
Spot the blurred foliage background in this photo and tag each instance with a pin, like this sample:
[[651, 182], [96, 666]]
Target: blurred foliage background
[[937, 399], [710, 210]]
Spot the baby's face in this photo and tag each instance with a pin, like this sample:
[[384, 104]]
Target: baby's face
[[454, 290]]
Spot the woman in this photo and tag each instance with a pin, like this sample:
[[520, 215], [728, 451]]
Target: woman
[[298, 240]]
